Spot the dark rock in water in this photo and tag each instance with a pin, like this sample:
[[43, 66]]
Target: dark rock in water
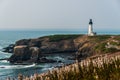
[[2, 67], [23, 53], [35, 53], [9, 49], [59, 61], [45, 60]]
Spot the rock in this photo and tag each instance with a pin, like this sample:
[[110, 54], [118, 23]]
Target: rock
[[35, 53], [34, 43], [22, 42], [84, 52], [45, 60], [9, 49], [59, 61], [63, 46], [21, 53], [24, 53], [31, 49]]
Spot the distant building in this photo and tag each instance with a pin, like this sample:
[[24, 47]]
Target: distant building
[[90, 29]]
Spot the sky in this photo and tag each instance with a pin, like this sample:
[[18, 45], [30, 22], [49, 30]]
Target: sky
[[59, 14]]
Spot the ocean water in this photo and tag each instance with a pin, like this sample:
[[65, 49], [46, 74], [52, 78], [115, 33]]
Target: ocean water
[[10, 37]]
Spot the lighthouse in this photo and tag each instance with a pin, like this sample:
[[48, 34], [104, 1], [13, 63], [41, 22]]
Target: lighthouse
[[90, 29]]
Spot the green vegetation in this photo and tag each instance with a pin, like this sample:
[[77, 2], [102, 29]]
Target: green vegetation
[[115, 43], [101, 48], [110, 50], [99, 38], [55, 38], [117, 38]]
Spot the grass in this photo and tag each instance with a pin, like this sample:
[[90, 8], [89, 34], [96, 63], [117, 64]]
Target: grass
[[99, 38], [117, 37], [115, 43], [55, 38], [100, 68], [101, 48], [73, 36]]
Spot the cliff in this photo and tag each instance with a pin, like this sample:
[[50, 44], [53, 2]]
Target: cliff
[[33, 50]]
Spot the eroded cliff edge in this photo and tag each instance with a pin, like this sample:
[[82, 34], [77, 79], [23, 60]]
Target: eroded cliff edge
[[33, 50]]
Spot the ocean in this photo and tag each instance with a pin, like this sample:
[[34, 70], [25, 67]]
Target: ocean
[[10, 37]]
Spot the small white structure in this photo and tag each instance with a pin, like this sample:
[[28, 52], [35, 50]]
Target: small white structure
[[90, 29]]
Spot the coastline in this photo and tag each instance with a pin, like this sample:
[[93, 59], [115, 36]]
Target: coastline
[[90, 46]]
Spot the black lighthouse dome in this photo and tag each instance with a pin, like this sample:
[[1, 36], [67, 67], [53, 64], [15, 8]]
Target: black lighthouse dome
[[90, 21]]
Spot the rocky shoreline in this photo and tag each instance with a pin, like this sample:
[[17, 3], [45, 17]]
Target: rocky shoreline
[[34, 50]]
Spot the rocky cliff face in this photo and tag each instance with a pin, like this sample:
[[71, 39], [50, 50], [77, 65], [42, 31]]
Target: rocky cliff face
[[32, 50], [25, 53], [47, 46]]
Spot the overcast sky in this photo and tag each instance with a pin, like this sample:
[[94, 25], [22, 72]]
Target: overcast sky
[[59, 14]]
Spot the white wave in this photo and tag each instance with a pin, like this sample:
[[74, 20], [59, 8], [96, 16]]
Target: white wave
[[45, 69], [6, 67], [30, 65], [4, 61], [59, 58], [56, 58], [15, 66]]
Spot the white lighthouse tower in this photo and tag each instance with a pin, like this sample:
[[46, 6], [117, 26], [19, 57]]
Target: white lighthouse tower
[[90, 29]]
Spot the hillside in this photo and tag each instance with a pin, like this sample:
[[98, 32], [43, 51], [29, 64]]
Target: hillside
[[32, 50], [100, 67], [101, 44]]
